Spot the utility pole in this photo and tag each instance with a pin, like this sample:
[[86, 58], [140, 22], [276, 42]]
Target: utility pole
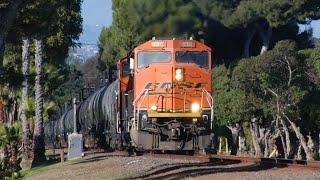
[[75, 140]]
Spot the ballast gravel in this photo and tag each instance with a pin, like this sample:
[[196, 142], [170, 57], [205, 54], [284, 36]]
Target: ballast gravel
[[119, 166]]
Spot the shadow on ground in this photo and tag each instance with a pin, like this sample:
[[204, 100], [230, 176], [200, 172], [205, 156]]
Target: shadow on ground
[[178, 171], [97, 157]]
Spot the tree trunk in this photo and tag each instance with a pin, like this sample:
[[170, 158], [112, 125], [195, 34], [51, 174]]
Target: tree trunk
[[298, 155], [255, 139], [235, 138], [288, 142], [310, 145], [2, 111], [284, 146], [247, 43], [265, 36], [7, 17], [38, 137], [26, 137], [301, 138], [266, 144], [2, 45]]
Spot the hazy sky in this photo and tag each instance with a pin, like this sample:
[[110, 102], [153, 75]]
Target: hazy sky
[[98, 13], [316, 28]]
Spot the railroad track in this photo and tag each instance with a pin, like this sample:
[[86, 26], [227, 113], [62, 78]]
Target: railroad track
[[210, 164], [268, 161], [271, 161]]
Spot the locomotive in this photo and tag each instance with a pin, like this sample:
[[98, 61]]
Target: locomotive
[[160, 101], [164, 100]]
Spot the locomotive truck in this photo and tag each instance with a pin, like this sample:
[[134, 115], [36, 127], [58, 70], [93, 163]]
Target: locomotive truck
[[160, 101]]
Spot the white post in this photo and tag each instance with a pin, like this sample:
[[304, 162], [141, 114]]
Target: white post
[[227, 147], [319, 145], [239, 141], [74, 115], [220, 145]]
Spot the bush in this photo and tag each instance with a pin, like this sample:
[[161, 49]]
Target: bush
[[10, 138]]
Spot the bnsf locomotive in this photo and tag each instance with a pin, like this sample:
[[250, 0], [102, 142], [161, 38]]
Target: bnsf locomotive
[[160, 101], [164, 100]]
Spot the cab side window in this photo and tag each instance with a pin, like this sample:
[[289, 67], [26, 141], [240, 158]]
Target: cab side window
[[126, 69]]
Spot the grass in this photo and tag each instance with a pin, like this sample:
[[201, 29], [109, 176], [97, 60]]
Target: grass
[[49, 165], [40, 169]]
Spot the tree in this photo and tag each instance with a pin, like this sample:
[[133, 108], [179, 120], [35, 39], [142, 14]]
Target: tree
[[58, 24], [139, 20], [38, 135], [26, 143], [229, 100], [8, 12], [276, 88], [263, 17]]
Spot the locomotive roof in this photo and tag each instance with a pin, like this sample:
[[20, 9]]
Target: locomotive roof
[[170, 44]]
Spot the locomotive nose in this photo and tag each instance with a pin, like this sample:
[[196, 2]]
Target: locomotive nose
[[178, 90]]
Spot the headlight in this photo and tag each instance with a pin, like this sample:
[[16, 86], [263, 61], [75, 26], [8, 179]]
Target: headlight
[[144, 117], [195, 107], [153, 107], [179, 75]]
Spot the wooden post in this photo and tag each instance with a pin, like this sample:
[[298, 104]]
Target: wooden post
[[219, 145], [227, 148], [61, 153], [239, 141], [319, 146]]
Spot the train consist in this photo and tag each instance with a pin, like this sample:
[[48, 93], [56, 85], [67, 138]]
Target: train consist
[[160, 101]]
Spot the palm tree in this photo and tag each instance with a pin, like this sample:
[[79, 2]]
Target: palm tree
[[38, 135], [25, 96]]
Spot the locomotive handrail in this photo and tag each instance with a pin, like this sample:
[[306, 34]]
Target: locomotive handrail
[[137, 98], [144, 92], [211, 106], [209, 95]]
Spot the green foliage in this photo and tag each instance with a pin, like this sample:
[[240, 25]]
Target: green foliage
[[229, 99], [49, 107], [58, 23], [254, 87], [222, 25], [30, 109], [309, 106], [276, 13], [117, 40], [10, 138], [71, 86]]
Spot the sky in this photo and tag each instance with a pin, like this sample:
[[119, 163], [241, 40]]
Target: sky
[[98, 13], [316, 28]]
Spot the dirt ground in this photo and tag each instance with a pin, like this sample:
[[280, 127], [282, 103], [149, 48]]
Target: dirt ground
[[119, 166]]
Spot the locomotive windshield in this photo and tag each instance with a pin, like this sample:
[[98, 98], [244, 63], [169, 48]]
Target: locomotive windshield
[[146, 57], [199, 58]]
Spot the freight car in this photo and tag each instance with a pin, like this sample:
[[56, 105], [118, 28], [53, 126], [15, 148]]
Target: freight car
[[161, 100], [95, 117]]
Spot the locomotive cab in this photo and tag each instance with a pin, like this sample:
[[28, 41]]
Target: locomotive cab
[[165, 100]]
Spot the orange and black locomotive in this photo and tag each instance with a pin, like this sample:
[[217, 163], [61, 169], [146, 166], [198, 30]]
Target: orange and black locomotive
[[164, 97]]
